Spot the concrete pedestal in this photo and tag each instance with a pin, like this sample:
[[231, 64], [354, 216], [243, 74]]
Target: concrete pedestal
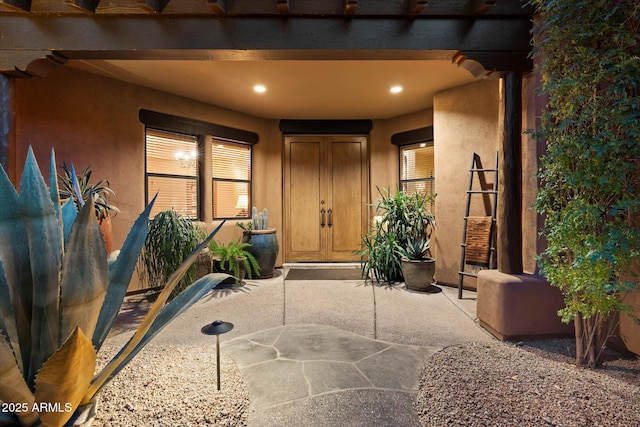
[[516, 306]]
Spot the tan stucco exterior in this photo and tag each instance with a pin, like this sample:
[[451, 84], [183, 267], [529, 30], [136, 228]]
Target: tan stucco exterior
[[93, 120]]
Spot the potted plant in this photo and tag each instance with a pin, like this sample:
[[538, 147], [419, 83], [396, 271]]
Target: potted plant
[[100, 191], [262, 240], [417, 269], [170, 239], [403, 220], [234, 259], [60, 297]]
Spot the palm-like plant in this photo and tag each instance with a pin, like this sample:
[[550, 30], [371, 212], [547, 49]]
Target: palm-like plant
[[59, 298], [100, 191]]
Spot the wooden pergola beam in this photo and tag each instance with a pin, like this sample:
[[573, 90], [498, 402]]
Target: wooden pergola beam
[[282, 6], [482, 6], [87, 6], [217, 6], [417, 6], [350, 7], [18, 5], [153, 6]]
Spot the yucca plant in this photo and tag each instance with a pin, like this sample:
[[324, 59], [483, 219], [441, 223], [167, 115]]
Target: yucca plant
[[99, 191], [59, 298]]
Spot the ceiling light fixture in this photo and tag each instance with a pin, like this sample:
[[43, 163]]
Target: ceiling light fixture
[[395, 89], [259, 88]]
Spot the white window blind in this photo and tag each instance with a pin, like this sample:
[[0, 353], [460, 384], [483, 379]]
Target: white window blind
[[417, 169], [172, 172], [231, 173]]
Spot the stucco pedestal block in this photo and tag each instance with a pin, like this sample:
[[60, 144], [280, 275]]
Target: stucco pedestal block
[[629, 329], [515, 306]]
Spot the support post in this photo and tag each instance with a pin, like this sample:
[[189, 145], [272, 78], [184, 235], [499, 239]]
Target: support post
[[7, 124], [509, 231]]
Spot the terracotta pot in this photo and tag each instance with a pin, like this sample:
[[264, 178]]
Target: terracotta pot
[[107, 232], [418, 274]]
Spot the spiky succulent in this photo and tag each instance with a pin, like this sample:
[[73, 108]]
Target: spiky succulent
[[59, 298], [415, 249]]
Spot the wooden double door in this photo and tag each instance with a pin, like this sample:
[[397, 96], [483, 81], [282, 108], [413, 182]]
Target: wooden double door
[[326, 187]]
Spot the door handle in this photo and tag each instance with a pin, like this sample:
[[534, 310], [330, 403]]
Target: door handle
[[330, 217], [322, 211]]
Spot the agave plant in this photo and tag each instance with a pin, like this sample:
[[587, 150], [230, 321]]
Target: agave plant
[[59, 298], [415, 248]]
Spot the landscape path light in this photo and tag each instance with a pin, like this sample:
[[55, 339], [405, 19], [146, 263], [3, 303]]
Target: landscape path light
[[217, 328]]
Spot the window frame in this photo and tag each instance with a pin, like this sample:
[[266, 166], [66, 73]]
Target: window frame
[[218, 140], [430, 180], [197, 178]]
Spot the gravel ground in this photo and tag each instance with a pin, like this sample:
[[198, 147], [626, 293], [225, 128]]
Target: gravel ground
[[173, 386], [527, 384]]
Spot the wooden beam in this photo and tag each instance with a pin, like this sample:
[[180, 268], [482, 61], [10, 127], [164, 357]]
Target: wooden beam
[[509, 231], [350, 6], [283, 6], [153, 6], [417, 6], [88, 6], [20, 5], [7, 125], [479, 7], [217, 6]]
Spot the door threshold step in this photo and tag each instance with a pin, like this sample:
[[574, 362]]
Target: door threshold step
[[328, 265]]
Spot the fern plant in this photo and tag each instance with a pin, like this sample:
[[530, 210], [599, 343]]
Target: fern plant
[[233, 256], [59, 297]]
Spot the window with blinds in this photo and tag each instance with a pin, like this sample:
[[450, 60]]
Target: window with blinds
[[231, 174], [417, 169], [172, 172]]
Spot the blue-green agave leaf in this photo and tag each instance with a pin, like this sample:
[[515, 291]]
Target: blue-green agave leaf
[[8, 318], [45, 249], [54, 191], [13, 387], [120, 272], [173, 309], [84, 275], [69, 214], [14, 254], [76, 186], [106, 373]]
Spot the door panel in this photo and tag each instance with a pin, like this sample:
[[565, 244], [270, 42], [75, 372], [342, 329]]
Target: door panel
[[345, 199], [304, 158], [325, 197]]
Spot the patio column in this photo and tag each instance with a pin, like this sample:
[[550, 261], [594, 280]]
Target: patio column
[[509, 226], [7, 115]]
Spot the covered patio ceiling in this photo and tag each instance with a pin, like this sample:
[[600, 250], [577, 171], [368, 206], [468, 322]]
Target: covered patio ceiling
[[317, 59]]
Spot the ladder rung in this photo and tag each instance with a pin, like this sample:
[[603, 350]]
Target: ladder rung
[[464, 273], [481, 192], [466, 218], [483, 170]]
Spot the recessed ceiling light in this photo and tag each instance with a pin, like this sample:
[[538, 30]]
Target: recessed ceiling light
[[396, 89], [259, 88]]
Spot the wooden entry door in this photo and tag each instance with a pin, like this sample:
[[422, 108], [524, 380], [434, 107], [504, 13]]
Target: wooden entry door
[[325, 197]]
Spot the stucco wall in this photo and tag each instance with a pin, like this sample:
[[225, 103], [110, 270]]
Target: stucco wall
[[384, 160], [93, 120], [465, 120]]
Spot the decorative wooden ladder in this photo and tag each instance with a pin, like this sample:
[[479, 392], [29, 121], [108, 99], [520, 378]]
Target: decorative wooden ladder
[[478, 235]]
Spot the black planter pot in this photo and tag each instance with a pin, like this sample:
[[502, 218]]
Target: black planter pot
[[264, 248]]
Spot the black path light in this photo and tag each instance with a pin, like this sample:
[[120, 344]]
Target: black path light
[[217, 328]]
